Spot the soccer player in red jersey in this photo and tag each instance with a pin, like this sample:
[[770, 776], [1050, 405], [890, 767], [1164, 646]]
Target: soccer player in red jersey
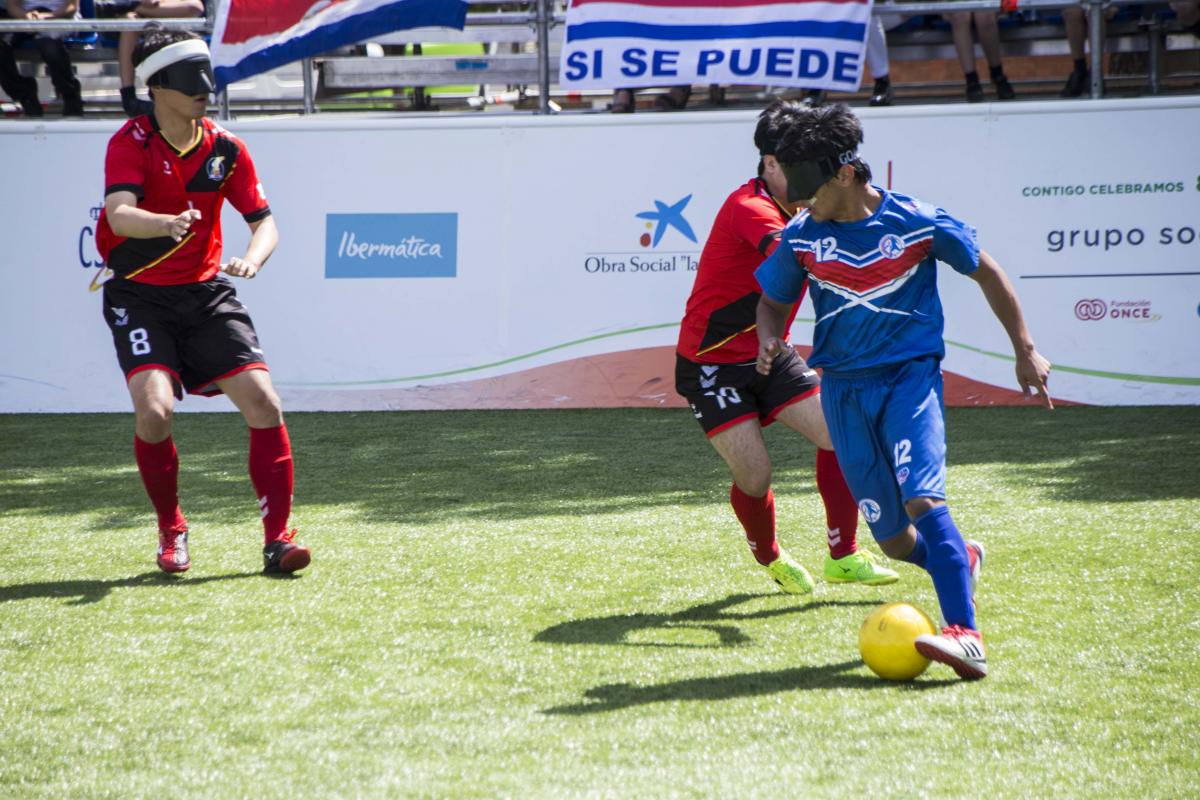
[[715, 372], [176, 321]]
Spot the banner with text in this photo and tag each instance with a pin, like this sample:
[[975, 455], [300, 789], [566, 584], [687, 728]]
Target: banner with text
[[391, 288], [815, 44]]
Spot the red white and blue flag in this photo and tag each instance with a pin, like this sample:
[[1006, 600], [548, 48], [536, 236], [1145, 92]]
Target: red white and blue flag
[[815, 44], [253, 36]]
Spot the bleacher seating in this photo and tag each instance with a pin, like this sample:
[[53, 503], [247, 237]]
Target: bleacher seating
[[1147, 53]]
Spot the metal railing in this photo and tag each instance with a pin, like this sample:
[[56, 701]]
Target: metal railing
[[542, 18]]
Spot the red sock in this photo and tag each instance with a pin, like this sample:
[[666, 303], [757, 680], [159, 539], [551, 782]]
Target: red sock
[[271, 474], [841, 512], [757, 515], [158, 464]]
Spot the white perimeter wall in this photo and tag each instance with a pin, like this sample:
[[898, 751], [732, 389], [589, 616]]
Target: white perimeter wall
[[538, 200]]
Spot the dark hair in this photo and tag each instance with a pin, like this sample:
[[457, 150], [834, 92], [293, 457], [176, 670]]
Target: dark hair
[[773, 122], [824, 132], [154, 38]]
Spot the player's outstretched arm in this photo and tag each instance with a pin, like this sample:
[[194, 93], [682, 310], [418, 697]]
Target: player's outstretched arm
[[126, 219], [1033, 370], [770, 318], [263, 239]]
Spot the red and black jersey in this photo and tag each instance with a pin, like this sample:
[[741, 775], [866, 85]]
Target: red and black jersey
[[215, 166], [719, 324]]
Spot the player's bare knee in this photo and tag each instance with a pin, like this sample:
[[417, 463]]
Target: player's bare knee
[[755, 485], [754, 479], [264, 411], [153, 421]]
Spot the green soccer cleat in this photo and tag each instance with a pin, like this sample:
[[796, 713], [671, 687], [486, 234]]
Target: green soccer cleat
[[858, 567], [791, 577]]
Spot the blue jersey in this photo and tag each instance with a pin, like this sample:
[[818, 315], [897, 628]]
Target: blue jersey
[[873, 282]]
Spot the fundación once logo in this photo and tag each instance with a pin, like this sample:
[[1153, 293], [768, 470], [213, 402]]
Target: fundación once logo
[[1091, 309], [391, 245]]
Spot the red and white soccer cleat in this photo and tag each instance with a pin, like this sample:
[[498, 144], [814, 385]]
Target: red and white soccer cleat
[[173, 551], [957, 647]]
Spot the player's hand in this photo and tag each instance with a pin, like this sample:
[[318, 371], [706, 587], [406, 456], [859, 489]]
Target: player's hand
[[1033, 371], [178, 227], [240, 268], [767, 351]]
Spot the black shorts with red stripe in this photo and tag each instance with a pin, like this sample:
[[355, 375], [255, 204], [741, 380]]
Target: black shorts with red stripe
[[198, 332], [722, 395]]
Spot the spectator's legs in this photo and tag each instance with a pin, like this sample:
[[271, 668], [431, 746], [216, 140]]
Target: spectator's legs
[[989, 39], [125, 46], [877, 52], [964, 45], [623, 102], [877, 62], [989, 36], [964, 40], [676, 99], [21, 89], [149, 9], [1075, 23], [58, 64], [133, 105]]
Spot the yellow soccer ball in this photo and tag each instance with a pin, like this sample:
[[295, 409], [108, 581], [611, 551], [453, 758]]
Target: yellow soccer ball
[[886, 641]]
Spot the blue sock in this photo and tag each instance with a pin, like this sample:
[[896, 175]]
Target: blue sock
[[919, 552], [947, 564]]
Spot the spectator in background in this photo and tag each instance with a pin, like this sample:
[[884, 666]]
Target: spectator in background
[[877, 59], [877, 62], [139, 9], [1189, 16], [989, 40], [1075, 22], [24, 90], [676, 99]]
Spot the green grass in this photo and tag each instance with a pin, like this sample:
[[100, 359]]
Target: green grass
[[559, 604]]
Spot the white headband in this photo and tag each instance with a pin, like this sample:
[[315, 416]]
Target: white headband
[[171, 54]]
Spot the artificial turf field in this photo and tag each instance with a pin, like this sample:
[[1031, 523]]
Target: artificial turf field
[[560, 604]]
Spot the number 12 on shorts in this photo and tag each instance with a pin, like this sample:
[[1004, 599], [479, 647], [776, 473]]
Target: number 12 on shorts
[[901, 452]]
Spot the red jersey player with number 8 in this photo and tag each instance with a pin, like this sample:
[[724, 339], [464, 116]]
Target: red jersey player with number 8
[[176, 321]]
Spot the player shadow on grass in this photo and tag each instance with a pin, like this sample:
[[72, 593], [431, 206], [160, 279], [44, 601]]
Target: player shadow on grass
[[616, 696], [705, 617], [88, 592]]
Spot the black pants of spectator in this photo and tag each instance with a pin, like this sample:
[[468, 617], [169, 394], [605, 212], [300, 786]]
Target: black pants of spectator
[[58, 63]]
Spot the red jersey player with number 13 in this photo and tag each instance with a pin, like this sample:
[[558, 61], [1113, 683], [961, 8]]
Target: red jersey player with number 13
[[715, 372], [176, 321]]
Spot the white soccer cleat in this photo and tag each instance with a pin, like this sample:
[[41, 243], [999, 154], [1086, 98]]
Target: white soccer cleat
[[957, 647]]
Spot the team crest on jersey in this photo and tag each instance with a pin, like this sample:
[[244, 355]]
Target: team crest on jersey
[[215, 168], [891, 246], [139, 135]]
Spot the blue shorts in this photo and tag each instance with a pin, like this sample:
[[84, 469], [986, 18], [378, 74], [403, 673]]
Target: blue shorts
[[889, 433]]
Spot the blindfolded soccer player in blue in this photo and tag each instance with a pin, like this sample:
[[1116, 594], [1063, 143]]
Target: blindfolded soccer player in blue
[[869, 257]]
